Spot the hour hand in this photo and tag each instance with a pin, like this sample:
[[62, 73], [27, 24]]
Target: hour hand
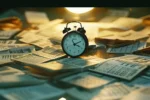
[[77, 43]]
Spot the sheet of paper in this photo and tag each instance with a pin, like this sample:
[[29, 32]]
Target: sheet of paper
[[24, 49], [139, 81], [131, 58], [113, 92], [50, 52], [81, 62], [139, 94], [87, 80], [63, 64], [37, 92], [121, 23], [7, 34], [10, 46], [7, 41], [124, 35], [12, 77], [6, 58], [128, 49], [7, 70], [120, 69], [36, 17], [41, 28], [40, 41], [31, 58], [108, 92]]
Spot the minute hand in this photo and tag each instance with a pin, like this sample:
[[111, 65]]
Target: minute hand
[[77, 42]]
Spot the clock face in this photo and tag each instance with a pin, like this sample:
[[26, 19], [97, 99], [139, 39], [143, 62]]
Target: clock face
[[74, 44]]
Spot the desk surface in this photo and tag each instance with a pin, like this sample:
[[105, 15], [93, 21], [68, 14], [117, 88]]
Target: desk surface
[[93, 51]]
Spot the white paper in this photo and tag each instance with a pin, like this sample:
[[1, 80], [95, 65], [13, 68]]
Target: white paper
[[6, 58], [128, 49], [140, 81], [6, 70], [36, 17], [38, 92], [139, 94], [31, 58], [62, 64], [7, 41], [50, 52], [138, 59], [7, 34], [23, 49], [12, 77], [120, 69], [10, 46], [113, 92], [88, 80]]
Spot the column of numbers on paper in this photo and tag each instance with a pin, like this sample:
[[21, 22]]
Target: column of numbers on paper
[[119, 69]]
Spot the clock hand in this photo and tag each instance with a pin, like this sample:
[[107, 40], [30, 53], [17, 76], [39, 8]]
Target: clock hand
[[77, 43], [73, 42]]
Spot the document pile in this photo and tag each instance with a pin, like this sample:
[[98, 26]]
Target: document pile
[[139, 94], [87, 80], [37, 92], [12, 77], [114, 91], [41, 56], [61, 65], [124, 67]]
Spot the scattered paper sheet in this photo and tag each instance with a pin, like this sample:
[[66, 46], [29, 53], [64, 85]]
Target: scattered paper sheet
[[113, 92], [50, 52], [128, 49], [36, 17], [11, 77], [31, 58], [7, 34], [139, 94], [137, 59], [7, 41], [6, 58], [37, 92], [64, 64], [120, 69], [87, 80], [121, 24], [23, 49], [10, 46]]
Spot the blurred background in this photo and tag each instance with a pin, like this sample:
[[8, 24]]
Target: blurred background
[[94, 15]]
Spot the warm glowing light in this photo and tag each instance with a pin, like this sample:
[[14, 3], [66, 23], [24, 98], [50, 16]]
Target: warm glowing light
[[79, 10], [62, 98]]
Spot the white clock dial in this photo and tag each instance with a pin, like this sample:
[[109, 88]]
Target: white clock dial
[[74, 44]]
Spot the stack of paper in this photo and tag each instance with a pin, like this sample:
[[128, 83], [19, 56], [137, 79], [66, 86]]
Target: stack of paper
[[7, 34], [49, 52], [65, 64], [139, 94], [18, 78], [87, 80], [128, 49], [113, 92], [30, 58], [37, 92], [117, 39], [7, 41], [120, 69]]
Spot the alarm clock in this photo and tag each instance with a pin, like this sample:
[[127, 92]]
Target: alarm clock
[[74, 43]]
